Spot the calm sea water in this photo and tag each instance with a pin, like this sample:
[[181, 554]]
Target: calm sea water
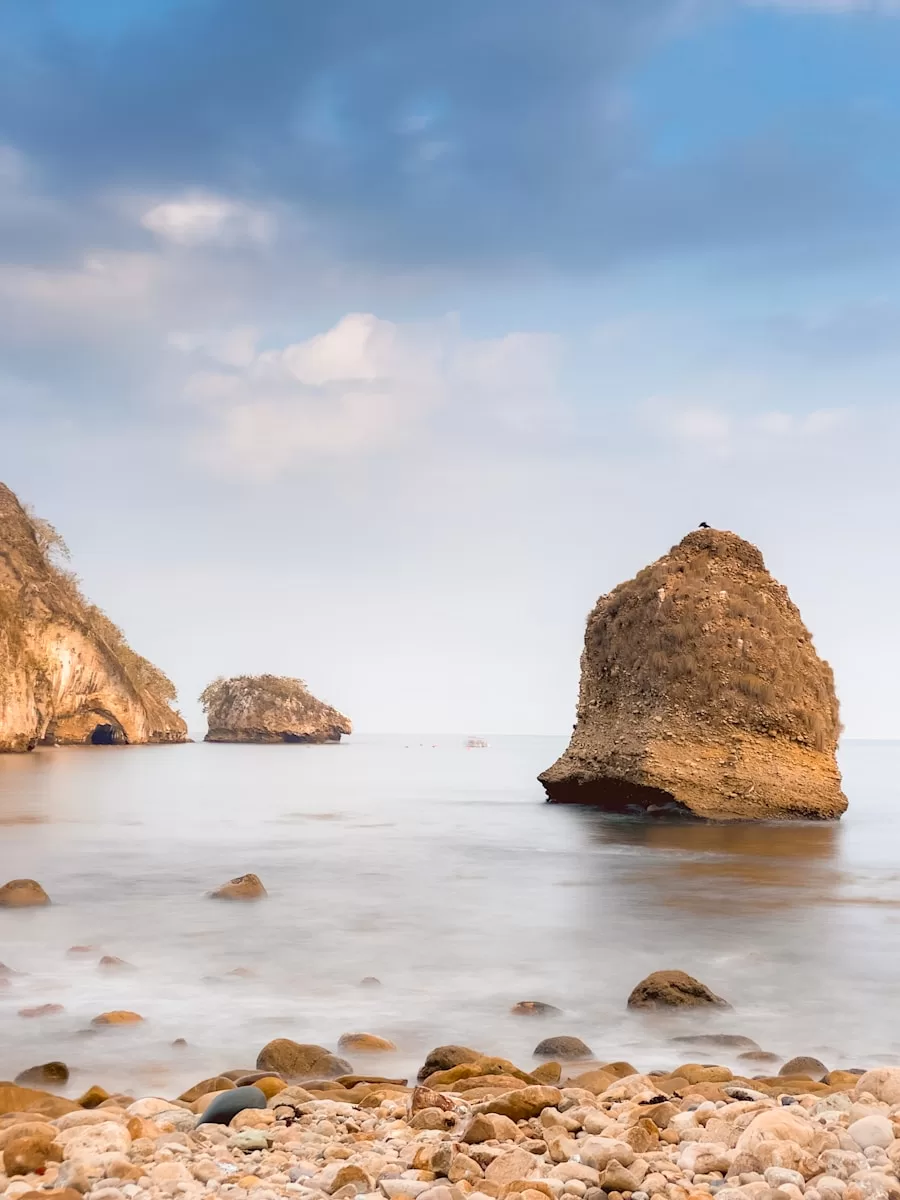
[[439, 870]]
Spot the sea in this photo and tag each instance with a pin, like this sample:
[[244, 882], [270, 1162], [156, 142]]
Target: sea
[[441, 871]]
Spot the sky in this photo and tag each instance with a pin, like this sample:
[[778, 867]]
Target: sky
[[371, 342]]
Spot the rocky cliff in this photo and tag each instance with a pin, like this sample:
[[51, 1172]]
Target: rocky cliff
[[67, 675], [701, 692], [269, 708]]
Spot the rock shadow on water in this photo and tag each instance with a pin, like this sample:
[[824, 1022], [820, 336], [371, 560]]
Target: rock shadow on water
[[688, 864]]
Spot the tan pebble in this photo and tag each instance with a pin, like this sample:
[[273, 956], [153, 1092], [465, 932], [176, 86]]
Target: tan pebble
[[515, 1164], [534, 1185], [52, 1194], [25, 1126], [24, 1155], [432, 1118], [253, 1118], [462, 1167], [169, 1172], [426, 1097], [249, 1181]]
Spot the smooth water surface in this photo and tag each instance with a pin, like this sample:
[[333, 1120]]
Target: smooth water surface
[[441, 871]]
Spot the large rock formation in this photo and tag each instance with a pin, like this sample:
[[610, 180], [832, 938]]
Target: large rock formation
[[701, 692], [269, 708], [67, 675]]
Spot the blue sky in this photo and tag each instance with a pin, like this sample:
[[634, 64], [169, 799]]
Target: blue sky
[[371, 342]]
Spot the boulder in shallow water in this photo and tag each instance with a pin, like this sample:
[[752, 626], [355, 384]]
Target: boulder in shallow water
[[702, 693], [673, 989], [47, 1074], [225, 1106], [23, 893], [297, 1061], [804, 1067], [364, 1043], [443, 1058], [535, 1008], [41, 1010], [563, 1048], [119, 1016], [242, 887], [109, 962], [725, 1041]]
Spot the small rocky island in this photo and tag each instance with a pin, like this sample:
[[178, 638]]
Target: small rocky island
[[269, 708], [67, 675], [701, 693]]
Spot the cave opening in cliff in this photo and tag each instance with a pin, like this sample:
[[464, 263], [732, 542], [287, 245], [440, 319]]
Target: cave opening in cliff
[[617, 796], [107, 735]]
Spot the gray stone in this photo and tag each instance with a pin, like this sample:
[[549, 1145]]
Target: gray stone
[[872, 1131], [776, 1176], [250, 1139], [226, 1105]]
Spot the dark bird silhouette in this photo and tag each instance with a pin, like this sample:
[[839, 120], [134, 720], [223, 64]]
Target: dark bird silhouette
[[703, 525]]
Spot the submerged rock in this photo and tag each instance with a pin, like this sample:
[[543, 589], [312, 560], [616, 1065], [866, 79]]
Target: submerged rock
[[701, 693], [269, 708], [673, 989], [67, 675], [119, 1016], [242, 887], [565, 1048], [364, 1043], [47, 1074], [804, 1067]]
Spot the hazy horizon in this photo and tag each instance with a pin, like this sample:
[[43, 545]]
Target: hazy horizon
[[371, 343]]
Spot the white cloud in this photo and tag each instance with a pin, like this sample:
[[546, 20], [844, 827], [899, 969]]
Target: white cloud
[[200, 218], [811, 424], [707, 426], [713, 428], [233, 347], [110, 286], [362, 386]]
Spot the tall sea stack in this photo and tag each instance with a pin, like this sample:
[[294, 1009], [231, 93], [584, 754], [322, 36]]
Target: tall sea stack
[[701, 692], [67, 675]]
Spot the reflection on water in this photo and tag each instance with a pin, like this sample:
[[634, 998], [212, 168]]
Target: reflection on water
[[443, 874], [802, 839], [737, 865]]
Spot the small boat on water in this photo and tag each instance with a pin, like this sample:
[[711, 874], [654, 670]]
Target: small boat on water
[[476, 744]]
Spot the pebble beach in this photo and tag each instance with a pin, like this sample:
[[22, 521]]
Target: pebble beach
[[472, 1126]]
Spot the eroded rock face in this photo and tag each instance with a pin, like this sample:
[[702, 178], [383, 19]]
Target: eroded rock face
[[701, 693], [269, 708], [67, 675]]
